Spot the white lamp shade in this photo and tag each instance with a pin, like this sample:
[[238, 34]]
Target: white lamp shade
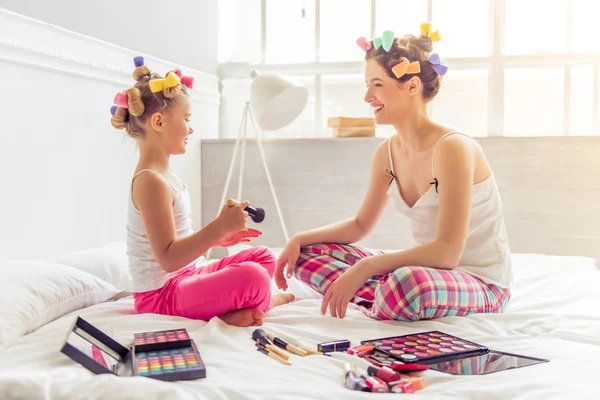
[[276, 101]]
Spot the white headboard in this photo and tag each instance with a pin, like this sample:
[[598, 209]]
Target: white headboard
[[64, 171], [549, 187]]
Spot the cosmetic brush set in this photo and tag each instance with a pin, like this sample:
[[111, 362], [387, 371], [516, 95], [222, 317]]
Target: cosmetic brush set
[[273, 346]]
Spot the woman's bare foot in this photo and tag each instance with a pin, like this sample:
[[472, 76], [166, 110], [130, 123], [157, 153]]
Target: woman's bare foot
[[283, 298], [244, 317]]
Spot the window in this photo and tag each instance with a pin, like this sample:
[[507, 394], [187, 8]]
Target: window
[[463, 101], [545, 115], [469, 38], [527, 33], [239, 31], [343, 95], [341, 20], [398, 15], [517, 67], [290, 31]]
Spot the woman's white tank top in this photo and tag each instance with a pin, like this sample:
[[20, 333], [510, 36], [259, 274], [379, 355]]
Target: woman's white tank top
[[487, 252]]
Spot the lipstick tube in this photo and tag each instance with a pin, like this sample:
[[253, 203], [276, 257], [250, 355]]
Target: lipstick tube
[[376, 384], [336, 345], [385, 373], [361, 350]]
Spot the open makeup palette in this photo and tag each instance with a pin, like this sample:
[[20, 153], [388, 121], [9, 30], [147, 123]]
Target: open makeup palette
[[164, 355], [426, 347], [442, 352]]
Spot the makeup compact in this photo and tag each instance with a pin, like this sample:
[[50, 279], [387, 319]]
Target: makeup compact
[[164, 355], [426, 347]]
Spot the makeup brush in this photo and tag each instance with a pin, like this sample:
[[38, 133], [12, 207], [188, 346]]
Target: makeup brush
[[266, 343], [285, 345], [271, 354], [261, 335]]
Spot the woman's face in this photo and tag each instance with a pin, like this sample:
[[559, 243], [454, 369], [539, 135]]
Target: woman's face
[[391, 99]]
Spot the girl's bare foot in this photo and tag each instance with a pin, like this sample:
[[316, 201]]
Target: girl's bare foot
[[244, 317], [283, 298]]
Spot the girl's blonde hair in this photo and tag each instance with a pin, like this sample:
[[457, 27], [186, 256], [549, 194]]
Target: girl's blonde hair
[[141, 102]]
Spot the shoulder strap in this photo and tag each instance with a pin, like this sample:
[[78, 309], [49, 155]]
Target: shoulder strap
[[390, 155], [155, 173], [436, 146]]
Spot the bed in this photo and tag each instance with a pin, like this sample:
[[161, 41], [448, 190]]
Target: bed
[[60, 254], [553, 315]]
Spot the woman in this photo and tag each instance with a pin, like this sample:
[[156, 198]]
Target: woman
[[440, 180]]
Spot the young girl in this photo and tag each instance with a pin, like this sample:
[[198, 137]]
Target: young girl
[[161, 244], [440, 180]]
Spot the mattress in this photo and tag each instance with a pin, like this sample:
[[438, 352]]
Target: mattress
[[554, 314]]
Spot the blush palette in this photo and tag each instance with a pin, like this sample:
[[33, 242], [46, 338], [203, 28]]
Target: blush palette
[[164, 355], [426, 347]]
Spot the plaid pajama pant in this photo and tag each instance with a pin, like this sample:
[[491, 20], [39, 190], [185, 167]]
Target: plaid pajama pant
[[407, 294]]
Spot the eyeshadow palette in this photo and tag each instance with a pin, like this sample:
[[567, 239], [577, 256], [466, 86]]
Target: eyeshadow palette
[[426, 347], [169, 365], [164, 355], [160, 340]]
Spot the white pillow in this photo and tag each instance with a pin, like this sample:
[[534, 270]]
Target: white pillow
[[109, 263], [33, 293]]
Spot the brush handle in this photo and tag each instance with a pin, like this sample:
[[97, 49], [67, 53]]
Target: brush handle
[[278, 352], [274, 356], [285, 345], [293, 349], [277, 358]]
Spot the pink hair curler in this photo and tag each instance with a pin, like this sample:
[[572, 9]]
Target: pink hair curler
[[121, 100], [363, 43], [188, 81]]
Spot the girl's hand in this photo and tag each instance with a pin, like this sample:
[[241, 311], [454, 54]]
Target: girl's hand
[[243, 236], [232, 217], [289, 255], [343, 289]]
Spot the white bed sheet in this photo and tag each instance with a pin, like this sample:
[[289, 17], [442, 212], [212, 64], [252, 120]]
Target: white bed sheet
[[554, 313]]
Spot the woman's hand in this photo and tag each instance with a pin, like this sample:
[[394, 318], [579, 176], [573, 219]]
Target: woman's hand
[[343, 289], [242, 236], [289, 255]]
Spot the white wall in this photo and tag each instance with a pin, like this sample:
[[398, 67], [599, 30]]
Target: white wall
[[64, 171], [182, 31]]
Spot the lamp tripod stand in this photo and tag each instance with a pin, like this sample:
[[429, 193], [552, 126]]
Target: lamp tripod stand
[[242, 136]]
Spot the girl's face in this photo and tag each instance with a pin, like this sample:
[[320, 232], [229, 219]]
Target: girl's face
[[390, 99], [177, 128]]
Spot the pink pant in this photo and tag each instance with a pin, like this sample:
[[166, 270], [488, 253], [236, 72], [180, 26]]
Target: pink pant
[[232, 283]]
